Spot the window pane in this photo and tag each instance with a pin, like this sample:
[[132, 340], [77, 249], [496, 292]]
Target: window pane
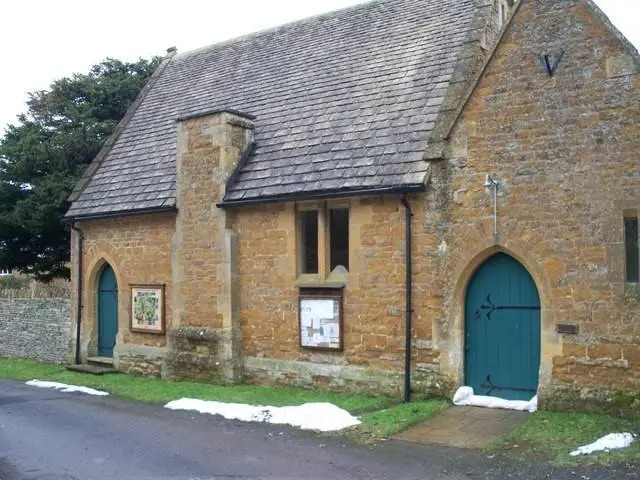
[[631, 247], [309, 241], [339, 231]]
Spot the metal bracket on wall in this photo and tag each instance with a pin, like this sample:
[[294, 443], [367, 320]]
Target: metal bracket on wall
[[488, 384], [490, 307], [489, 182], [551, 62]]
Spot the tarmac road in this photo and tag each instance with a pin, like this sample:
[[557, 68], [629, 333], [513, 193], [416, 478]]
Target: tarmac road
[[49, 435]]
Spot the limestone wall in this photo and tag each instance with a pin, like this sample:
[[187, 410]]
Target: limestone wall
[[374, 301], [206, 340], [35, 321], [565, 151], [139, 249]]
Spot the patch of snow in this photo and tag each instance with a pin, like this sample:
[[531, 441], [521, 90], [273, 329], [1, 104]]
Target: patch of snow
[[609, 442], [65, 388], [465, 397], [322, 417]]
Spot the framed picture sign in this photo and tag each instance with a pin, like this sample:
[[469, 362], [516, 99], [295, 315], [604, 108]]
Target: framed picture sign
[[321, 320], [147, 309]]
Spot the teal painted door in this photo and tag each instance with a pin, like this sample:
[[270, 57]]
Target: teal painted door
[[502, 321], [107, 312]]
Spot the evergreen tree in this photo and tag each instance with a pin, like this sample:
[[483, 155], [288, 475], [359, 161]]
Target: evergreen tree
[[44, 154]]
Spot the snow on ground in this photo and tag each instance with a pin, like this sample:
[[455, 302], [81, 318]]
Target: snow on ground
[[609, 442], [323, 417], [464, 396], [64, 387]]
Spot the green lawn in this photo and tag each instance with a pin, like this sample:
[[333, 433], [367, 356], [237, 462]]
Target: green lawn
[[544, 436], [153, 390], [386, 423], [381, 416], [552, 436]]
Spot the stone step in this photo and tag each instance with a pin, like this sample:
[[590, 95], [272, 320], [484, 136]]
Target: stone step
[[92, 369], [100, 361]]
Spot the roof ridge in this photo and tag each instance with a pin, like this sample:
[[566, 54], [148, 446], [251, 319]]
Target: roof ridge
[[362, 91], [120, 128], [283, 26]]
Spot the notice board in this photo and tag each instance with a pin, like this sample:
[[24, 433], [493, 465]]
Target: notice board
[[321, 320]]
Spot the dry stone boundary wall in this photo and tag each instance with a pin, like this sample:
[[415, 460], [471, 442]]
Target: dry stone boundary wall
[[35, 322]]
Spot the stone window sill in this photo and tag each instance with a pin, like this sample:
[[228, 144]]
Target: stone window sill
[[334, 280]]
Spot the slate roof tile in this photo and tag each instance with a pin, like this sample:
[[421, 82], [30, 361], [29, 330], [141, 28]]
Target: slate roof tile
[[343, 101]]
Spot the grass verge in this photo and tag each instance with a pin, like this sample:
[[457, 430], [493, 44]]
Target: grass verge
[[552, 436], [390, 421], [154, 390], [381, 416]]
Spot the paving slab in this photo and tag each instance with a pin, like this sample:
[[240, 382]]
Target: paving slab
[[465, 427]]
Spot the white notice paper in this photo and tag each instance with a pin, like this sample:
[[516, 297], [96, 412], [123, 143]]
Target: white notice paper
[[323, 308], [319, 323], [305, 320]]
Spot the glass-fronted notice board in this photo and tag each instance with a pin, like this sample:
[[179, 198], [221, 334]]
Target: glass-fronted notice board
[[321, 319]]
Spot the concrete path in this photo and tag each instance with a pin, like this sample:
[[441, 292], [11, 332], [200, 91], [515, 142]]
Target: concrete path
[[465, 427]]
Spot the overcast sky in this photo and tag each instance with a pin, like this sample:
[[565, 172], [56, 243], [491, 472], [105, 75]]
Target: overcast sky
[[43, 40]]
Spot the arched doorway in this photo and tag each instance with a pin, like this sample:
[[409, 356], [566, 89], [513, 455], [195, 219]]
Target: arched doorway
[[502, 330], [107, 311]]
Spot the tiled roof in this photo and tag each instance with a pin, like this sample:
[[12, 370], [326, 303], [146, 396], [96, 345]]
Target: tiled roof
[[345, 101]]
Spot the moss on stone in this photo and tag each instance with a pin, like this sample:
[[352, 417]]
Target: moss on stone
[[429, 385], [625, 399], [571, 398]]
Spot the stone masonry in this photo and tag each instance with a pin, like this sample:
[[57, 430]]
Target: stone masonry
[[206, 335], [564, 149], [549, 149], [373, 298], [35, 323], [139, 250]]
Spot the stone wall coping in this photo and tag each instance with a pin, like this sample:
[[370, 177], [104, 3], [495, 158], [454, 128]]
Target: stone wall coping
[[33, 294]]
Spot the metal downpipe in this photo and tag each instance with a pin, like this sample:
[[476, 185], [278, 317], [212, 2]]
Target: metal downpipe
[[408, 299], [79, 291]]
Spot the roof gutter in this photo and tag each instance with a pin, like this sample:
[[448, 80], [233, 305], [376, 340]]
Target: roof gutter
[[324, 194], [130, 213]]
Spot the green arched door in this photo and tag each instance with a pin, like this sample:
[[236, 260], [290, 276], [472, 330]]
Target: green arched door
[[502, 330], [107, 312]]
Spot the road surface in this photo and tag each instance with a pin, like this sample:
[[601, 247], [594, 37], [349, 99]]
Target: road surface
[[48, 435]]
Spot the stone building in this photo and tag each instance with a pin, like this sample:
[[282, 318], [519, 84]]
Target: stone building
[[282, 208]]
